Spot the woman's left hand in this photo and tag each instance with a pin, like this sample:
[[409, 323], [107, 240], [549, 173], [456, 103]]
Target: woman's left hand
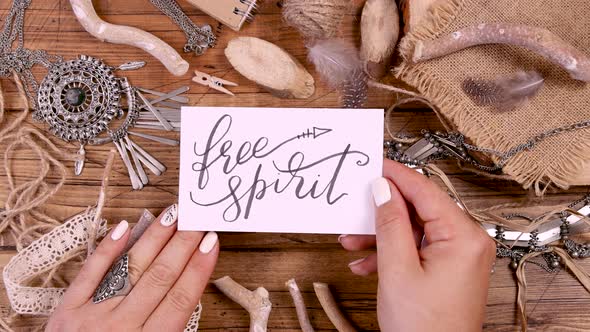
[[166, 273]]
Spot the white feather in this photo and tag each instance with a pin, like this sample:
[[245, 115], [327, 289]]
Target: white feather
[[335, 60]]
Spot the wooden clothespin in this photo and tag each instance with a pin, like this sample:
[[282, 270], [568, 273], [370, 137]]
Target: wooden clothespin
[[213, 82]]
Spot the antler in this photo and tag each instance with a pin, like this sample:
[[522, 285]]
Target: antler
[[538, 40], [256, 302], [120, 34]]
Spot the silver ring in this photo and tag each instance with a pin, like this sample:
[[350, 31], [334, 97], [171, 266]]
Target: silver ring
[[116, 282]]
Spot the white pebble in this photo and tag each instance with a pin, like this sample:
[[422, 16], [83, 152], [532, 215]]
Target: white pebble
[[502, 31]]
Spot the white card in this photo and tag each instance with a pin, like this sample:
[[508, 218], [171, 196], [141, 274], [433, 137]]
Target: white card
[[279, 170]]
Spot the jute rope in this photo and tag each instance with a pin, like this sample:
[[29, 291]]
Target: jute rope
[[392, 108], [22, 219], [315, 19]]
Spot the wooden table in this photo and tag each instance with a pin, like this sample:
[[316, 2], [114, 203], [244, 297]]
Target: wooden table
[[556, 301]]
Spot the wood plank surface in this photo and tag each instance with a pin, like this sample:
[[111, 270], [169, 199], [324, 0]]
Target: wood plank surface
[[556, 301]]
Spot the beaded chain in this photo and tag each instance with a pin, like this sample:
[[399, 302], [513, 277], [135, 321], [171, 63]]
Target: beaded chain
[[551, 260]]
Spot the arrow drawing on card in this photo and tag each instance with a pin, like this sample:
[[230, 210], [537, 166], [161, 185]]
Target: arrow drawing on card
[[315, 133]]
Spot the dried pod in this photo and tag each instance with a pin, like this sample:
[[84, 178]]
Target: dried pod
[[271, 67], [379, 35]]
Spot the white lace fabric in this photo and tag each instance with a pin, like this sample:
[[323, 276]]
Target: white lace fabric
[[44, 254], [52, 250]]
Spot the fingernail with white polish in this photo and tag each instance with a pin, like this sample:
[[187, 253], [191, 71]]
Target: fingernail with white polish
[[170, 215], [381, 191], [358, 261], [341, 237], [208, 243], [120, 230]]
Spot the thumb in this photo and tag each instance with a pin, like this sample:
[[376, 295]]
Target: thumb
[[396, 247]]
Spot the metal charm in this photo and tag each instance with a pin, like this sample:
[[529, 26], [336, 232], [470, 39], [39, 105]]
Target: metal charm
[[116, 282], [198, 39]]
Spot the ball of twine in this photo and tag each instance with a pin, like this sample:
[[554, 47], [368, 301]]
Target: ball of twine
[[315, 18]]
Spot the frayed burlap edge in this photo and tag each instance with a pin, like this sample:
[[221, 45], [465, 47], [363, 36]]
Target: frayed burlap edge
[[562, 173]]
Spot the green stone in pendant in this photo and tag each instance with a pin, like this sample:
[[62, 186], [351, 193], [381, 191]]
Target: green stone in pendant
[[75, 96]]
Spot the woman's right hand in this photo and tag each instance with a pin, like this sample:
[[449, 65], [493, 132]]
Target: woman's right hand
[[441, 286]]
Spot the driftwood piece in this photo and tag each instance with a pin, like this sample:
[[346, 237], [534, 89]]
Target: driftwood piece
[[330, 306], [300, 307], [538, 40], [256, 302], [414, 11], [271, 67], [120, 34], [379, 35]]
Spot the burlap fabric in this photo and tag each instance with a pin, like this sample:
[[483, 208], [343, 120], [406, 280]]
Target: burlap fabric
[[563, 160]]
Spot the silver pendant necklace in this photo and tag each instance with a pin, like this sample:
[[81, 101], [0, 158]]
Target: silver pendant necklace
[[82, 100]]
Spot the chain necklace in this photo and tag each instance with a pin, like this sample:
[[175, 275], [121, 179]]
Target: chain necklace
[[20, 59], [198, 39], [436, 146]]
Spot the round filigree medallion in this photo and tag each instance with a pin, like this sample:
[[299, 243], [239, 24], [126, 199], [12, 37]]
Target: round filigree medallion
[[79, 98]]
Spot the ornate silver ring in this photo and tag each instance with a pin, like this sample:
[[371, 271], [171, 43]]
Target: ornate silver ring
[[116, 282]]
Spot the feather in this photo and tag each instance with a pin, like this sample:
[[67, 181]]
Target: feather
[[335, 60], [504, 93], [338, 63], [355, 90]]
